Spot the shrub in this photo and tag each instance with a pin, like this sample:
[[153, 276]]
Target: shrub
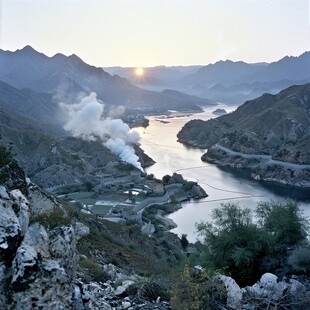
[[52, 219], [233, 241], [5, 156], [300, 260], [93, 269], [284, 221], [148, 289], [246, 249], [184, 241], [197, 290]]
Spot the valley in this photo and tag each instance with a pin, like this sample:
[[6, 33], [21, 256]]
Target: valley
[[105, 185]]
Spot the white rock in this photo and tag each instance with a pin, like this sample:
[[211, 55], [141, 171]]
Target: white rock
[[10, 230], [112, 272], [296, 287], [268, 287], [234, 292], [63, 248], [126, 304], [81, 230], [25, 257], [3, 193], [37, 237], [120, 290]]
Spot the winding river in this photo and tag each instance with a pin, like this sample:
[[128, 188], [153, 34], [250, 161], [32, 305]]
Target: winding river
[[159, 141]]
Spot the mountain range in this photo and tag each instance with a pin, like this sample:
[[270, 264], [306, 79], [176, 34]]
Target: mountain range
[[68, 78], [225, 81]]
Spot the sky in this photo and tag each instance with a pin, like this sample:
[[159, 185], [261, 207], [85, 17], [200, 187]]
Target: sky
[[143, 33]]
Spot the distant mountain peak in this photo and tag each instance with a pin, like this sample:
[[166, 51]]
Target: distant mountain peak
[[28, 49]]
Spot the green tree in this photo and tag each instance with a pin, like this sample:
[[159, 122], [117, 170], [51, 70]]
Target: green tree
[[247, 249], [284, 221], [166, 178], [235, 243], [184, 241]]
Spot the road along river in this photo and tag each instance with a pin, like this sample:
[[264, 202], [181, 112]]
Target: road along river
[[159, 141]]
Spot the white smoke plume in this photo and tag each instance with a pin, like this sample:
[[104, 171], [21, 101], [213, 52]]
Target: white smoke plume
[[87, 122]]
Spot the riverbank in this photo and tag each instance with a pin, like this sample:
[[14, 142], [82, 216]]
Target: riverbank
[[262, 167]]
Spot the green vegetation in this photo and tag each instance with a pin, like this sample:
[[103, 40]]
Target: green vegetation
[[148, 289], [125, 247], [5, 159], [184, 241], [101, 210], [197, 290], [5, 156], [93, 269], [87, 198], [55, 218], [246, 249]]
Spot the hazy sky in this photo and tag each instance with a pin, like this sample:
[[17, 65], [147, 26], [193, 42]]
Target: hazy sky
[[157, 32]]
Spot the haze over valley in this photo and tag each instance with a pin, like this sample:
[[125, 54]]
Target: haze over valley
[[154, 155]]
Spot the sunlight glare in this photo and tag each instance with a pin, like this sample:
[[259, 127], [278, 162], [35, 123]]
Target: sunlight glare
[[139, 71]]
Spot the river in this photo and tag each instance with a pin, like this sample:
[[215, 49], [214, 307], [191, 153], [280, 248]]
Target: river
[[159, 141]]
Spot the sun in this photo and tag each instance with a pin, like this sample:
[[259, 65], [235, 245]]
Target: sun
[[139, 71]]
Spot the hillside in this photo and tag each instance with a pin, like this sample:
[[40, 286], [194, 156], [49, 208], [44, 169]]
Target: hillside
[[39, 107], [271, 125], [53, 161], [66, 78]]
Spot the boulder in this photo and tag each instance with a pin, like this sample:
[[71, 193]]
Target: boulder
[[234, 292], [121, 289], [268, 287], [81, 230], [111, 272]]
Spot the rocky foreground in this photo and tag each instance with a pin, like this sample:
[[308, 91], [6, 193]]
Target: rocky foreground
[[38, 270], [42, 265]]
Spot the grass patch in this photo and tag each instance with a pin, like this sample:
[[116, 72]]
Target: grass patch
[[101, 210], [81, 195], [52, 219]]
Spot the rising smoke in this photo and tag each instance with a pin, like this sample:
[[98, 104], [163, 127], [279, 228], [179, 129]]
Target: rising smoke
[[87, 122]]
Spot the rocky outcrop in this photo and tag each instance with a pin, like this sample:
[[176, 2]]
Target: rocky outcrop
[[41, 202], [268, 291], [219, 112], [37, 267]]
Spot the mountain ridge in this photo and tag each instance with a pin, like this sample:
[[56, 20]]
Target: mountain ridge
[[240, 80], [67, 77]]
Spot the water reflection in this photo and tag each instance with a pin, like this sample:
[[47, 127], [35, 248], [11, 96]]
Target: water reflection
[[159, 141]]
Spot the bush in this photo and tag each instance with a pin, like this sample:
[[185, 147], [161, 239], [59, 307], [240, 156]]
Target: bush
[[148, 290], [233, 241], [93, 269], [5, 156], [184, 241], [197, 290], [52, 219], [300, 260], [247, 249], [284, 221]]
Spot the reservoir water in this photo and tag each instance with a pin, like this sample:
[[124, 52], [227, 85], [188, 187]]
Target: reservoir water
[[159, 141]]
